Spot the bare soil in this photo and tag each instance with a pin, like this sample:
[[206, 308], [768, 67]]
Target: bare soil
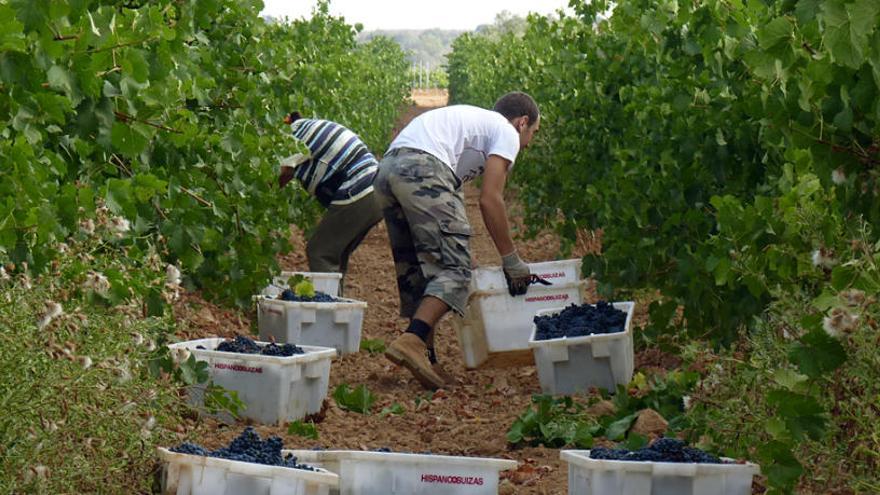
[[430, 98]]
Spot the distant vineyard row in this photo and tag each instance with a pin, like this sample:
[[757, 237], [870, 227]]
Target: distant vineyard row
[[169, 113]]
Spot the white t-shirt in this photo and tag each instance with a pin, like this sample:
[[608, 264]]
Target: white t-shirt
[[462, 137]]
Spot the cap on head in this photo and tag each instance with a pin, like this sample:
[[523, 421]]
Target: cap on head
[[516, 104]]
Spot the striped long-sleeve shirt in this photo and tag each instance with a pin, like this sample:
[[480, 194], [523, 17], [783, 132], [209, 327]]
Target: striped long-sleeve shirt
[[340, 169]]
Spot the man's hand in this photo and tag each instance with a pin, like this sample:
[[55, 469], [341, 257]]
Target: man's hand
[[286, 175], [288, 168], [517, 274]]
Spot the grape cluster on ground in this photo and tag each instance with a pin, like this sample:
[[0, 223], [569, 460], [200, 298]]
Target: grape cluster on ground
[[662, 450], [580, 320], [248, 447], [244, 345], [321, 297]]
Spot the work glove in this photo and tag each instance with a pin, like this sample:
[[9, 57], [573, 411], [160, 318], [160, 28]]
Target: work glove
[[516, 273]]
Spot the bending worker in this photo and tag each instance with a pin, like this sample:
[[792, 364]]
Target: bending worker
[[339, 172], [419, 189]]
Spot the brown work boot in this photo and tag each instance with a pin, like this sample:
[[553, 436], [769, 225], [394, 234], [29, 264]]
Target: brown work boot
[[446, 376], [409, 351]]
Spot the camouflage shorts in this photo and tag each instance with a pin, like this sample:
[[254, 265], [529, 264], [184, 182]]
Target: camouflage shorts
[[425, 215]]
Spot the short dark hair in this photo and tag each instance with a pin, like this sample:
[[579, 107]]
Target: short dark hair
[[516, 104]]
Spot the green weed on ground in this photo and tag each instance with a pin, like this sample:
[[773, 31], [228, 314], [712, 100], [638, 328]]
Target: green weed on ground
[[81, 412], [835, 439]]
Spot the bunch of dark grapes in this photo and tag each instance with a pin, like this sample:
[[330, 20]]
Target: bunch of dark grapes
[[387, 450], [191, 449], [578, 321], [662, 450], [239, 344], [248, 447], [283, 350], [245, 345], [289, 295]]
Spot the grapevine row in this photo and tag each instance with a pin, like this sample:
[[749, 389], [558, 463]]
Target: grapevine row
[[169, 113]]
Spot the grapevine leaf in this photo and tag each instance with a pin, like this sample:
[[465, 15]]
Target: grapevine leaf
[[60, 79], [825, 301], [774, 33], [147, 186], [358, 400], [134, 64], [776, 428], [779, 464], [842, 277], [304, 288], [849, 26], [155, 303], [193, 371], [806, 10], [617, 430], [32, 13], [789, 379], [218, 398], [802, 414], [11, 31], [119, 197], [583, 437], [635, 441], [127, 139], [395, 408], [817, 354], [515, 433], [373, 346], [303, 429]]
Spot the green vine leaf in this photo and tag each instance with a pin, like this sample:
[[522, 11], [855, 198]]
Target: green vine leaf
[[802, 414], [817, 354]]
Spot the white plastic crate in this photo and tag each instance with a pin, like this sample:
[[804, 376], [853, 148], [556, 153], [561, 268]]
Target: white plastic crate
[[557, 272], [600, 477], [329, 324], [275, 389], [496, 322], [184, 474], [389, 473], [328, 283], [570, 365]]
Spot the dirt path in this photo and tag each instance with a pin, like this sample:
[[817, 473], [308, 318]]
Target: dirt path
[[470, 418]]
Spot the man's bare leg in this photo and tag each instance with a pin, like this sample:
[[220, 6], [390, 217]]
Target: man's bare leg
[[431, 309]]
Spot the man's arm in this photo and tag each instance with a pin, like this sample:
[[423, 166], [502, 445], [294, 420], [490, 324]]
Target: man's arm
[[288, 168], [516, 272], [492, 203], [286, 175]]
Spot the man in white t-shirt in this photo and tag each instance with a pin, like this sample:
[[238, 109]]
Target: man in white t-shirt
[[418, 187]]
